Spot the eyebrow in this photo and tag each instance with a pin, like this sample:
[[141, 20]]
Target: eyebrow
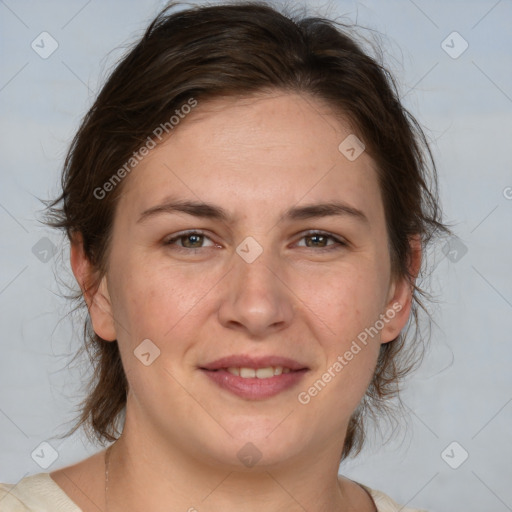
[[211, 211]]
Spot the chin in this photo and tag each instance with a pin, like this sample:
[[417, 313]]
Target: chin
[[258, 445]]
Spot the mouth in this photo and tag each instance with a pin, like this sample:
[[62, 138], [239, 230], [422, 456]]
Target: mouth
[[258, 373], [255, 378]]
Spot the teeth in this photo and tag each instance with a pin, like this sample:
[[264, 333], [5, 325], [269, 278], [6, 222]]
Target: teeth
[[265, 373], [260, 373], [247, 373]]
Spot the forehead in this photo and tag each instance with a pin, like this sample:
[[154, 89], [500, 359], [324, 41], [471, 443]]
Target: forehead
[[253, 154]]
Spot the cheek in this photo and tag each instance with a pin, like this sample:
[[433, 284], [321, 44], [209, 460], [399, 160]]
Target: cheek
[[349, 306], [160, 306], [157, 300], [348, 301]]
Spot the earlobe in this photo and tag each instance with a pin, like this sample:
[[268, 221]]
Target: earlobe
[[398, 307], [95, 294]]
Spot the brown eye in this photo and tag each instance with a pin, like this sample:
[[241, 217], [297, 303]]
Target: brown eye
[[190, 240], [316, 240], [320, 240]]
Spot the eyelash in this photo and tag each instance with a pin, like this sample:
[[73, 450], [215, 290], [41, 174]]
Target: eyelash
[[339, 244]]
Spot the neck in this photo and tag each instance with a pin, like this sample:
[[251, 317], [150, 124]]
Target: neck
[[142, 476]]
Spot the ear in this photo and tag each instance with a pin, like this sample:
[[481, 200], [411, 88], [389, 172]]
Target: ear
[[399, 303], [95, 294]]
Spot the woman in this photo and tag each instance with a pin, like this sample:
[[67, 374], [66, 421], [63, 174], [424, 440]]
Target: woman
[[247, 203]]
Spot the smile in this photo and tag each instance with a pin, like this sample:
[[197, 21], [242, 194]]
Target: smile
[[259, 373], [255, 384]]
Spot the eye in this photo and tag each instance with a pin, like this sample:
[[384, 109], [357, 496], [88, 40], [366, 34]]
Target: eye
[[320, 239], [190, 240], [194, 240]]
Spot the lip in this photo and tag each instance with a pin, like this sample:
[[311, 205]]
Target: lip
[[254, 388], [246, 361]]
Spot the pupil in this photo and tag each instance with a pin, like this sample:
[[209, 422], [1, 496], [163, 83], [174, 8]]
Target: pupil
[[192, 237], [316, 238]]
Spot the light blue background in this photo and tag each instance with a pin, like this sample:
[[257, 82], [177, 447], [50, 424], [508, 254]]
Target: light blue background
[[463, 391]]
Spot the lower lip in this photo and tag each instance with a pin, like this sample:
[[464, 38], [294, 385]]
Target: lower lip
[[254, 388]]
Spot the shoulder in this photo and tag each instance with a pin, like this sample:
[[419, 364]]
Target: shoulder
[[35, 493], [9, 501], [385, 504], [363, 497]]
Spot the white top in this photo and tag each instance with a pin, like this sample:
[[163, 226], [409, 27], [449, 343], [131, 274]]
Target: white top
[[38, 493]]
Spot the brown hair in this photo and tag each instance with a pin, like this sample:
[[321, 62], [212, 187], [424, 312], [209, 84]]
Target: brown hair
[[231, 50]]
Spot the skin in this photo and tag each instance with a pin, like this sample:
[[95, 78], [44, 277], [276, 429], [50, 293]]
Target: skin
[[255, 158]]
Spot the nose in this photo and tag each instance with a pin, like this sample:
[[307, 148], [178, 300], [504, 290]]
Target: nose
[[257, 300]]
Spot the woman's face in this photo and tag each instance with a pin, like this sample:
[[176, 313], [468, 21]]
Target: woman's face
[[286, 256]]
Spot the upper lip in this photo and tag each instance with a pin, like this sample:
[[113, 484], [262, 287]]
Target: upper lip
[[246, 361]]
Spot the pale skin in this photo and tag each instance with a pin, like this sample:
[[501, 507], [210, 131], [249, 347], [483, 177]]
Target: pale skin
[[255, 158]]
